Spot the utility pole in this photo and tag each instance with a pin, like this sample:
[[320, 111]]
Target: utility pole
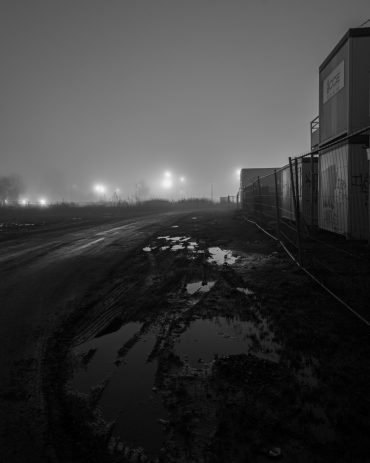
[[212, 192]]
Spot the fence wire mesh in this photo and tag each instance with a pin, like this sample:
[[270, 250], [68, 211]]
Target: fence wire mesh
[[318, 207]]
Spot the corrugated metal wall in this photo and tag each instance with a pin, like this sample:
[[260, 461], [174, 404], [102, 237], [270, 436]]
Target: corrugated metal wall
[[344, 191], [358, 192], [334, 111], [359, 116], [333, 190]]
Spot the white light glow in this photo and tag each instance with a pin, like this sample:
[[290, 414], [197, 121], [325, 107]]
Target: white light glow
[[168, 174], [182, 179], [43, 202], [167, 183], [100, 189], [23, 201]]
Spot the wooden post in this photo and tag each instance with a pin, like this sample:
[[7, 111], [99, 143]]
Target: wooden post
[[296, 213]]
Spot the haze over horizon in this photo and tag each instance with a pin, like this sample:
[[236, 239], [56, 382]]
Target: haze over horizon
[[119, 92]]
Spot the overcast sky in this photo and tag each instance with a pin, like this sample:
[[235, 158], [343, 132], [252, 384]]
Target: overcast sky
[[118, 91]]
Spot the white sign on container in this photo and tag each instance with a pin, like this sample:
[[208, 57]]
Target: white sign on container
[[334, 82]]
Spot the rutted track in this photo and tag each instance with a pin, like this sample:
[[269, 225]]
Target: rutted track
[[44, 278]]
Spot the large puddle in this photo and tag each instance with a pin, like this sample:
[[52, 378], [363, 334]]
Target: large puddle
[[121, 361], [129, 397], [207, 339], [100, 354]]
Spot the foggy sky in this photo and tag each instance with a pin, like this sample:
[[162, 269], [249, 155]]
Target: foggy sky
[[120, 91]]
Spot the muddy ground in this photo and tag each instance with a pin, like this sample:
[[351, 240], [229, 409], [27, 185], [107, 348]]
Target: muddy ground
[[207, 344]]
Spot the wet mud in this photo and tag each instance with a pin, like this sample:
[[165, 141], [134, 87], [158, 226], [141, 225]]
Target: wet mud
[[207, 361]]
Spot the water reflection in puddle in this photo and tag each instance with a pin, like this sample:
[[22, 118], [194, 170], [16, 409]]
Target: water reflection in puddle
[[221, 336], [245, 291], [177, 247], [130, 394], [177, 243], [128, 397], [174, 238], [221, 256], [103, 351], [199, 287]]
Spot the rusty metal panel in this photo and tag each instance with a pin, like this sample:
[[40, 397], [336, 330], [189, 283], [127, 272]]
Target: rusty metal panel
[[333, 190], [358, 192], [333, 93], [359, 85]]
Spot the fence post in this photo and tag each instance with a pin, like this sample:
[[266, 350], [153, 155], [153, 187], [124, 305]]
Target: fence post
[[312, 194], [277, 206], [260, 199], [297, 189], [296, 213]]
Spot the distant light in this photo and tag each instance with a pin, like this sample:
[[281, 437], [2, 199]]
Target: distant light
[[118, 190], [238, 171], [100, 189], [168, 174], [23, 201], [182, 179], [43, 202], [167, 183]]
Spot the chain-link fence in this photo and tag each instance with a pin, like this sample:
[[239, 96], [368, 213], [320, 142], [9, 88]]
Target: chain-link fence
[[317, 206]]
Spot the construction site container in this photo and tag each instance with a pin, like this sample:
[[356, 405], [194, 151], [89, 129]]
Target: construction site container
[[344, 190], [344, 86]]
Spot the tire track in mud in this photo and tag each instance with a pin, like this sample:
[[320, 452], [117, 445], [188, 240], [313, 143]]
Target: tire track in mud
[[171, 273], [236, 407], [106, 304]]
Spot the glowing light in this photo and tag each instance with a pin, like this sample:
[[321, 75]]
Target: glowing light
[[23, 201], [43, 202], [238, 172], [100, 189], [182, 179], [168, 174], [167, 183]]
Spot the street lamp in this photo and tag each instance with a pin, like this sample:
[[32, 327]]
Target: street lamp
[[100, 190]]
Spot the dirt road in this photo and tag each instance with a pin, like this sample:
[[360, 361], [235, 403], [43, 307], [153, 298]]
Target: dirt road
[[176, 338], [43, 278]]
